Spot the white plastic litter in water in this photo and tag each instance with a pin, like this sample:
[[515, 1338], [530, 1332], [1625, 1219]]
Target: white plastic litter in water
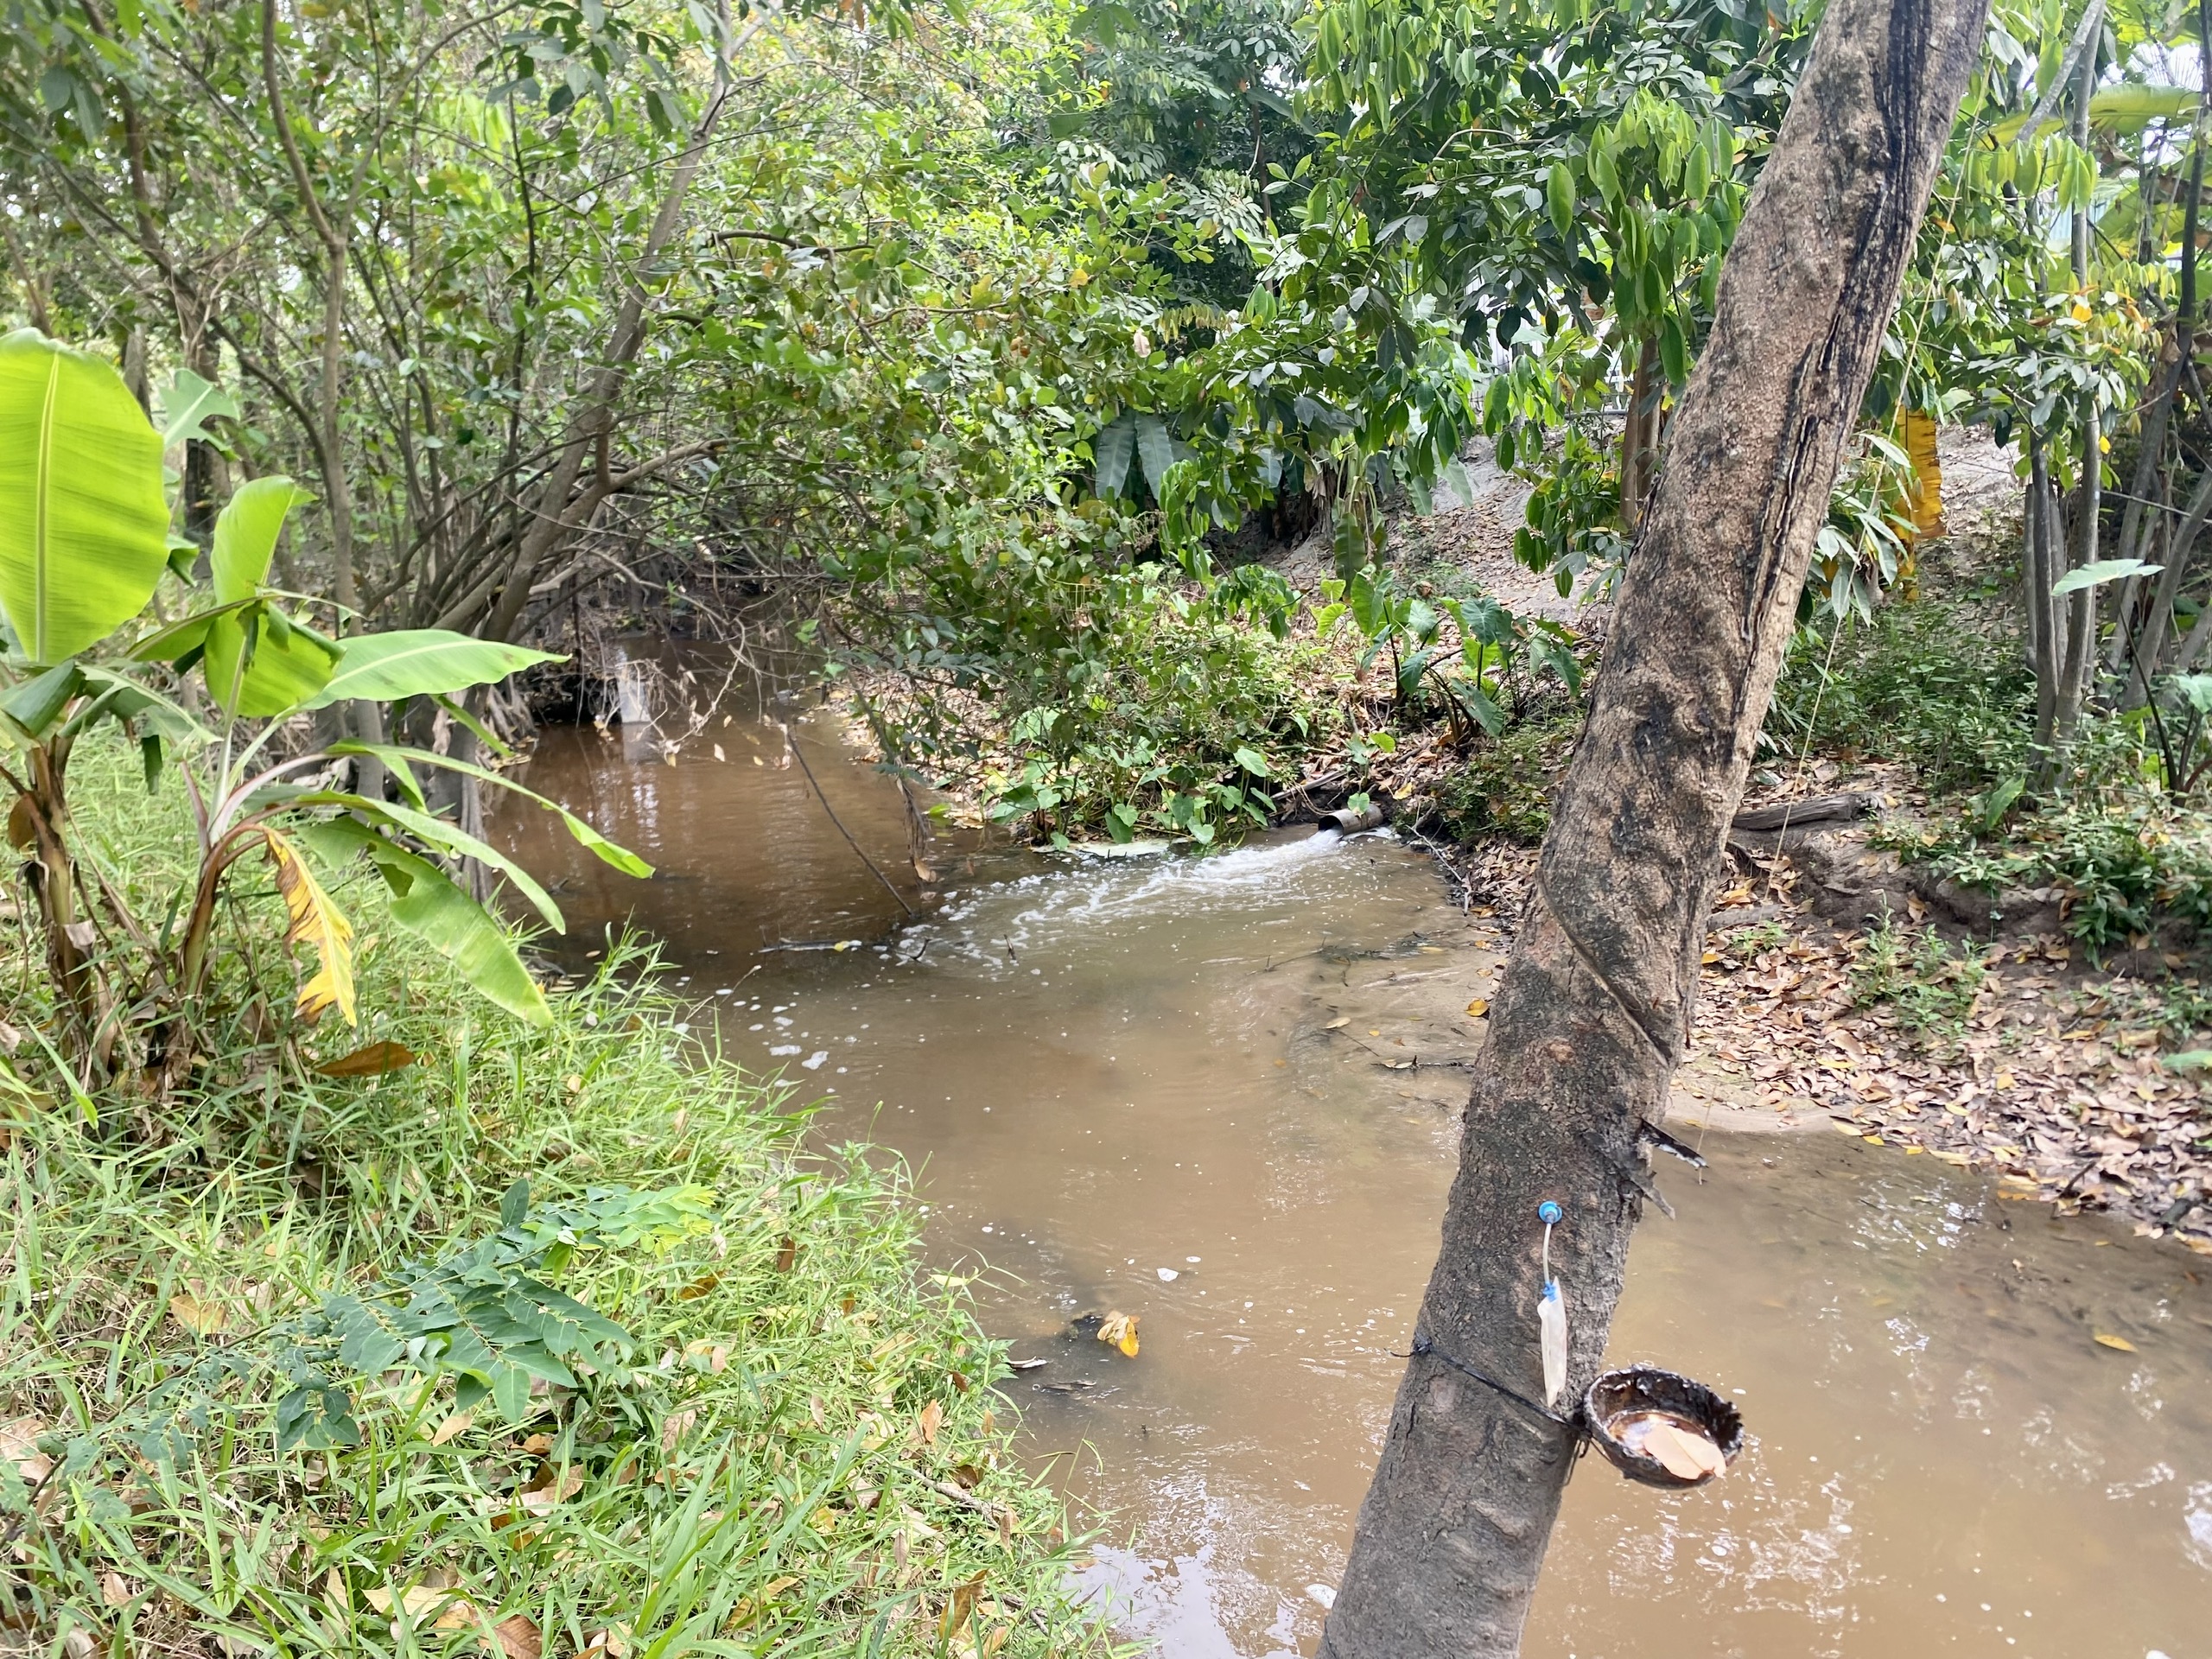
[[1166, 1275], [1322, 1593]]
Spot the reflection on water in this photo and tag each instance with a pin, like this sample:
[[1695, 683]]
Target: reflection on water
[[1219, 1094]]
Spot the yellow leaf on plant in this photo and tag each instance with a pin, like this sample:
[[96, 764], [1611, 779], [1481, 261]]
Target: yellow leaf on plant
[[2105, 1338], [318, 922]]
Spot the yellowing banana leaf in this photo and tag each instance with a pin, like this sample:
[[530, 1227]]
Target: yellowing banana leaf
[[427, 904], [316, 920]]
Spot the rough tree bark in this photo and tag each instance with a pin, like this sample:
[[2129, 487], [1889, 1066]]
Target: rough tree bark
[[1591, 1018]]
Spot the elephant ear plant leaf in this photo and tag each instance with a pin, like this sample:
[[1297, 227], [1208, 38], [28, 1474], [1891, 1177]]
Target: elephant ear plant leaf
[[84, 530]]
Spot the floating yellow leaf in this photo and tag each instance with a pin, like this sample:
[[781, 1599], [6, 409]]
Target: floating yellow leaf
[[1479, 1007], [1120, 1329], [1337, 1024], [318, 922], [2107, 1339]]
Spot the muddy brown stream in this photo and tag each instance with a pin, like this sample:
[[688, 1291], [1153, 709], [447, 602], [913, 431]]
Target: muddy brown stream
[[1220, 1093]]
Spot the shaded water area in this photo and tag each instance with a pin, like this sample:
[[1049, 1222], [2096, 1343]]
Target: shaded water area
[[1221, 1095]]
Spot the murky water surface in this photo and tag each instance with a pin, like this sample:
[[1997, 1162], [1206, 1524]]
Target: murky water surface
[[1218, 1094]]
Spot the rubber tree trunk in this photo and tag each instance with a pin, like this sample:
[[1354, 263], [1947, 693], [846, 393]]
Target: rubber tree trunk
[[1592, 1016]]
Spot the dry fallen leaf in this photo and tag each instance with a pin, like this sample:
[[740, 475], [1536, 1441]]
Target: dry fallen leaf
[[519, 1638], [19, 1446], [1685, 1455], [698, 1288], [613, 1641], [931, 1419], [960, 1607], [202, 1318], [1120, 1329], [1479, 1007], [675, 1427], [1337, 1025], [373, 1061], [552, 1487], [2108, 1340], [786, 1254], [115, 1590], [457, 1423]]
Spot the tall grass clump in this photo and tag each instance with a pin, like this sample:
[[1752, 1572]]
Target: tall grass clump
[[563, 1342]]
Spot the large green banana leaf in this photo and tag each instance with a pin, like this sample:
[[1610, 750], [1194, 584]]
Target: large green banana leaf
[[83, 524], [421, 662], [259, 663]]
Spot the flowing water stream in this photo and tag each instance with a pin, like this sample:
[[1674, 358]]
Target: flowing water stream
[[1220, 1095]]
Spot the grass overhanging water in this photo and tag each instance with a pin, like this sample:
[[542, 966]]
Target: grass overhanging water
[[789, 1443]]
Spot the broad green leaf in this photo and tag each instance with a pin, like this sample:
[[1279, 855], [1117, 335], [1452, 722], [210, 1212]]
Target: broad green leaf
[[245, 535], [180, 639], [187, 403], [1559, 196], [446, 837], [2101, 571], [2193, 689], [1156, 450], [401, 760], [1112, 447], [427, 903], [259, 664], [33, 708], [84, 528], [421, 662], [1254, 762]]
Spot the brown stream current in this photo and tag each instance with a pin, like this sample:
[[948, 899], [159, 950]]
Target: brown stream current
[[1177, 1088]]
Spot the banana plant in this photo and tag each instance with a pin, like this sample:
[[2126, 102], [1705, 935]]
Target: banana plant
[[81, 553]]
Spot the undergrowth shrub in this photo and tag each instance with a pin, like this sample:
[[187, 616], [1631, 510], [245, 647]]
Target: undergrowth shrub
[[1505, 787], [1922, 684], [1930, 987]]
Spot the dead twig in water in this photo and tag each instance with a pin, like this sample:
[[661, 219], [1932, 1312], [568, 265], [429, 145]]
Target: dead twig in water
[[790, 743]]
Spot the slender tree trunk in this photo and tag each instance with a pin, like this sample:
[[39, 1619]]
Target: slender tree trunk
[[1591, 1019], [1639, 436], [2078, 673], [2181, 347]]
